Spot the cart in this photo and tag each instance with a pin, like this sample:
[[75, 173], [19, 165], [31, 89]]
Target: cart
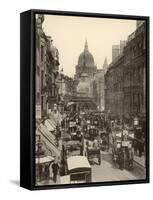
[[104, 144], [93, 153], [122, 150], [78, 170], [70, 148]]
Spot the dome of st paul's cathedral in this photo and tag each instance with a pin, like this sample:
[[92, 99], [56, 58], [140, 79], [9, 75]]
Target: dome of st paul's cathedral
[[86, 58]]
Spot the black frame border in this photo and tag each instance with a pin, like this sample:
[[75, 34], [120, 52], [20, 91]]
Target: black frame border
[[27, 98]]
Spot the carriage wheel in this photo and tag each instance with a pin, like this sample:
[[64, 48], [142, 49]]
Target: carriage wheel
[[131, 164], [99, 159]]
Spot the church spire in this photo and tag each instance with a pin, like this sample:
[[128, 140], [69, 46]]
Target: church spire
[[86, 46], [105, 65]]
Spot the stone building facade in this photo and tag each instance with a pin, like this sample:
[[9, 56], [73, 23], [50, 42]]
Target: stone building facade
[[85, 86], [125, 78], [98, 89], [66, 90], [114, 87], [115, 51], [46, 70]]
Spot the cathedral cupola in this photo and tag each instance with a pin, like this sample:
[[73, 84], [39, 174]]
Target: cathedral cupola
[[86, 63]]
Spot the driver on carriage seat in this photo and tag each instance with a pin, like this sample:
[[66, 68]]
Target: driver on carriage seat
[[89, 144], [95, 143]]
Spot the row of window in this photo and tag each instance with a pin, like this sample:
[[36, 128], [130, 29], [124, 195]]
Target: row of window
[[134, 102], [135, 49]]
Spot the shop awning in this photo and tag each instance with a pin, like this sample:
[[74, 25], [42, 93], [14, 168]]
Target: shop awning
[[70, 103], [49, 125], [45, 159], [48, 138]]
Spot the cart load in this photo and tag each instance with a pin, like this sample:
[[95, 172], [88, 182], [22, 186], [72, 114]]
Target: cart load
[[104, 140], [93, 151], [122, 148], [78, 170]]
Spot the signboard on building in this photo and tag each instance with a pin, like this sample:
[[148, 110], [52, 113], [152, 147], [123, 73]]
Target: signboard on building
[[38, 111], [72, 124], [125, 143], [136, 121], [88, 121]]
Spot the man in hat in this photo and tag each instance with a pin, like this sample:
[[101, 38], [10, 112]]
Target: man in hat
[[55, 169]]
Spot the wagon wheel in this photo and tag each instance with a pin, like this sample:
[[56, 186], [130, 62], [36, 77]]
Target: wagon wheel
[[131, 164], [99, 159], [87, 154], [114, 157]]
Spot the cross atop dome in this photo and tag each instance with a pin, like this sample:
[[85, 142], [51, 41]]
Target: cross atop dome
[[86, 46]]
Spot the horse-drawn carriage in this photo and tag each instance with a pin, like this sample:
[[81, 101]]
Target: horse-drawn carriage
[[77, 170], [93, 145], [74, 131], [92, 153], [104, 140], [122, 148], [70, 148], [75, 167]]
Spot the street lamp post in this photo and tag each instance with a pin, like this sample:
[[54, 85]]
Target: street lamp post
[[61, 85]]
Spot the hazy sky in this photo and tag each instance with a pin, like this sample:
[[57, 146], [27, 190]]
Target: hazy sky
[[69, 35]]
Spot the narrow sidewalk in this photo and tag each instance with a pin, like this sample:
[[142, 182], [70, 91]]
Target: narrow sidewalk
[[49, 181], [140, 160]]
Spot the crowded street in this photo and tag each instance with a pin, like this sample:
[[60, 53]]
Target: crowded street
[[94, 137], [107, 171], [91, 121]]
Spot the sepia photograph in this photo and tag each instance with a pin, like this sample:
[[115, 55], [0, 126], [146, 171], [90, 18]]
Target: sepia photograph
[[90, 99]]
